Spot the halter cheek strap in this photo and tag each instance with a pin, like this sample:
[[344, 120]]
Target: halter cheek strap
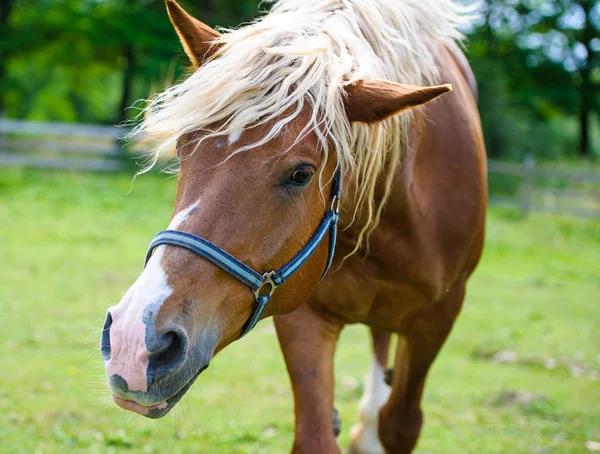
[[257, 282]]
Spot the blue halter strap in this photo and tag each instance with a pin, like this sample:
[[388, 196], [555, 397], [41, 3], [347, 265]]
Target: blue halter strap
[[257, 282]]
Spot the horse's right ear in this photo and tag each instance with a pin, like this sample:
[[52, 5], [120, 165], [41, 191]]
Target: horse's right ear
[[196, 37]]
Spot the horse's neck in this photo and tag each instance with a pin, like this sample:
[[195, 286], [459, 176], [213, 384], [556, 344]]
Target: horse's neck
[[399, 199]]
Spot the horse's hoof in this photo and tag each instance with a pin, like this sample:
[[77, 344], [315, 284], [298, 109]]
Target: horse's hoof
[[337, 422], [388, 376]]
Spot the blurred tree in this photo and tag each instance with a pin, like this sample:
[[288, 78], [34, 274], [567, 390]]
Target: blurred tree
[[6, 7], [549, 50], [536, 62]]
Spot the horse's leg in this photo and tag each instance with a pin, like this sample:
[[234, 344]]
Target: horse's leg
[[401, 418], [365, 436], [308, 343]]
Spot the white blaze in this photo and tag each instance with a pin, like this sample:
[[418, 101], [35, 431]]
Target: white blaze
[[181, 216], [129, 356]]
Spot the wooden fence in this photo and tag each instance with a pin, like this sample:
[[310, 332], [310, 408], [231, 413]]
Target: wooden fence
[[61, 145], [531, 187], [548, 189]]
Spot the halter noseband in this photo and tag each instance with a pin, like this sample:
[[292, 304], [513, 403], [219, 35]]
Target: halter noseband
[[257, 282]]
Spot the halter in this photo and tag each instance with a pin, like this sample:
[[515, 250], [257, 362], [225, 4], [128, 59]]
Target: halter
[[258, 283]]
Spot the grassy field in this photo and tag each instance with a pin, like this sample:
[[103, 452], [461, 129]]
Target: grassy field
[[520, 373]]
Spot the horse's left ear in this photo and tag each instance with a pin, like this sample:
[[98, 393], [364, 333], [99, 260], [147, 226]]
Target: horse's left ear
[[370, 101], [196, 37]]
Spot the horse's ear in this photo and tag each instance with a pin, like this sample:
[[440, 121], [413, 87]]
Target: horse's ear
[[370, 101], [196, 37]]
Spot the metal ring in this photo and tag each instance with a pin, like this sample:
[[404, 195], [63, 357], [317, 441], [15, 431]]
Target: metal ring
[[267, 279], [335, 204]]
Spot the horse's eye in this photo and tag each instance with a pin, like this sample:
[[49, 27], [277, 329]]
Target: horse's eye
[[302, 175], [177, 148]]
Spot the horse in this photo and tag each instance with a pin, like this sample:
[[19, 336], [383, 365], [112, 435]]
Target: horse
[[332, 171]]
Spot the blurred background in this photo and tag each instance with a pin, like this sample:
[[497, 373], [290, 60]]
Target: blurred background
[[537, 63], [520, 371]]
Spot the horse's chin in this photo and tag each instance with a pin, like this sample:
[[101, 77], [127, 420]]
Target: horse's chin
[[160, 409], [141, 409]]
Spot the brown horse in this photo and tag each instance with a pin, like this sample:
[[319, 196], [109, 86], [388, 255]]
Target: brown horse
[[274, 116]]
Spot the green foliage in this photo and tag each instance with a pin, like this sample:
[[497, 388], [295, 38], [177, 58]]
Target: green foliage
[[72, 243], [536, 62]]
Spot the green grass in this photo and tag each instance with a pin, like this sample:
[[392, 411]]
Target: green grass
[[72, 243]]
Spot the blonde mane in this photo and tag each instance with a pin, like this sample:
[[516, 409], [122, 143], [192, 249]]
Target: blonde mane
[[302, 54]]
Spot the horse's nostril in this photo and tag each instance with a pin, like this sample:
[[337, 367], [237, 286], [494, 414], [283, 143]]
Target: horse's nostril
[[167, 354], [105, 341]]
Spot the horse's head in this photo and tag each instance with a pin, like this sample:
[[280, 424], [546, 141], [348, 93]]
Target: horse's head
[[262, 206]]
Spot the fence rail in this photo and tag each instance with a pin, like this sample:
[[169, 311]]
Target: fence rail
[[41, 162], [520, 170], [99, 148], [37, 128], [548, 189], [61, 145]]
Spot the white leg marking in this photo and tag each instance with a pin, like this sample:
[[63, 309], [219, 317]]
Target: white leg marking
[[365, 437], [129, 356]]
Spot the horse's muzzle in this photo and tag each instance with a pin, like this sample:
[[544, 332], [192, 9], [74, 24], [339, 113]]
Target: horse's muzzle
[[149, 370]]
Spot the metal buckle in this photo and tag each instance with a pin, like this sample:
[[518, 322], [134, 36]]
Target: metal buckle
[[267, 279], [335, 204]]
